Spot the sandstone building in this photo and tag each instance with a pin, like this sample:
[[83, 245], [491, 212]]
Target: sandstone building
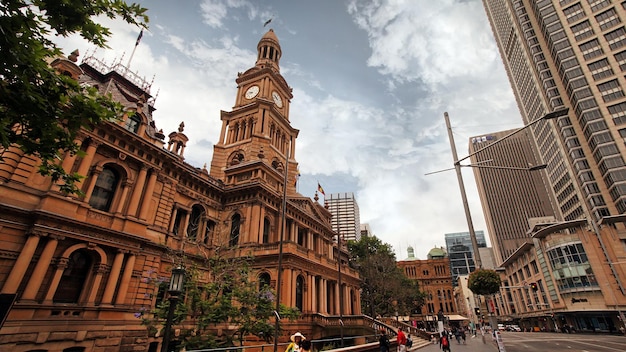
[[76, 265]]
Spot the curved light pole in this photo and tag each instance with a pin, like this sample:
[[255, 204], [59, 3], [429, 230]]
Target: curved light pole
[[458, 165]]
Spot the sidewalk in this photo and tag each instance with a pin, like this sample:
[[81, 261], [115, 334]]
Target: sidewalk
[[471, 345]]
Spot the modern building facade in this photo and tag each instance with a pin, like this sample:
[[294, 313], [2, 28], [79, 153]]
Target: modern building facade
[[78, 266], [461, 252], [509, 197], [434, 279], [570, 54], [560, 279], [346, 220]]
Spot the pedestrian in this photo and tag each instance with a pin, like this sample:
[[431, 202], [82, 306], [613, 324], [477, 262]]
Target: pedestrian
[[463, 337], [383, 341], [401, 338], [305, 346], [296, 340], [409, 341], [444, 342]]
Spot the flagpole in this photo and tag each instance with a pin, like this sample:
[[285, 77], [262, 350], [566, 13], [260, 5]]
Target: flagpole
[[134, 48]]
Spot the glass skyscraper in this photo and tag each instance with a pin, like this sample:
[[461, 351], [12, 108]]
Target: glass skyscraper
[[461, 253]]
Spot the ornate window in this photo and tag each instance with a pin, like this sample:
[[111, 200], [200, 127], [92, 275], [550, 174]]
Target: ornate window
[[299, 292], [133, 123], [104, 191], [266, 230], [264, 280], [235, 224], [74, 277], [194, 222]]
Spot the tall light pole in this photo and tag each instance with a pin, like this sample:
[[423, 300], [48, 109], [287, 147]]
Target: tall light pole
[[175, 289], [457, 167], [283, 224]]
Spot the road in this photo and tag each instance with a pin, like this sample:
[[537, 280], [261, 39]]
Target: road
[[544, 342], [540, 342]]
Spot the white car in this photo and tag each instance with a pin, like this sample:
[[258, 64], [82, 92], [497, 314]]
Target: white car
[[515, 328], [501, 327]]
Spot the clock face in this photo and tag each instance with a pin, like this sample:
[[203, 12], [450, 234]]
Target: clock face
[[252, 92], [277, 99]]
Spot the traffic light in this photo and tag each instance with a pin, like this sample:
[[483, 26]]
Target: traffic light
[[533, 286], [477, 311]]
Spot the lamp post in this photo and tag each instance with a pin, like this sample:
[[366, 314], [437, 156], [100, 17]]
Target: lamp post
[[175, 289], [457, 167]]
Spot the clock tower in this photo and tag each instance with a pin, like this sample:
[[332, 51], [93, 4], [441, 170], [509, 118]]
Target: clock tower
[[257, 140]]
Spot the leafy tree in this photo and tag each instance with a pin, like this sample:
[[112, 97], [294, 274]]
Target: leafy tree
[[385, 288], [484, 282], [40, 110], [229, 297]]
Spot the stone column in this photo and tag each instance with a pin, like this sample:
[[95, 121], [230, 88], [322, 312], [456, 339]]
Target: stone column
[[85, 163], [287, 288], [128, 272], [30, 292], [120, 205], [337, 297], [21, 264], [313, 294], [92, 183], [114, 275], [147, 197], [100, 270], [136, 195], [61, 265]]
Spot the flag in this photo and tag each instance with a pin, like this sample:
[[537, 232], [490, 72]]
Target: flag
[[295, 181], [267, 22], [139, 37], [320, 189]]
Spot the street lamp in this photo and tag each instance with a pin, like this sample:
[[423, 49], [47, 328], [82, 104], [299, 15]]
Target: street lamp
[[457, 167], [175, 289]]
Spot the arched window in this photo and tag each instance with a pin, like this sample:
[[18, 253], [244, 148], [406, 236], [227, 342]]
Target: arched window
[[208, 231], [104, 191], [194, 222], [74, 277], [133, 123], [264, 280], [266, 230], [299, 292], [235, 223]]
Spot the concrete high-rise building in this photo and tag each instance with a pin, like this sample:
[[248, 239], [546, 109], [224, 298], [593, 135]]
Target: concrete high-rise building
[[461, 252], [570, 54], [345, 211], [366, 230], [509, 197]]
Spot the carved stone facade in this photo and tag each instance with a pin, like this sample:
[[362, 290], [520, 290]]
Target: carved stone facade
[[77, 265]]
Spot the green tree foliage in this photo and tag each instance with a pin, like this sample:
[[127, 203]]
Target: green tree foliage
[[385, 288], [40, 110], [484, 282], [230, 298]]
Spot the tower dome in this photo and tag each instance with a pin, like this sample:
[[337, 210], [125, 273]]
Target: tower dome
[[436, 253], [268, 51]]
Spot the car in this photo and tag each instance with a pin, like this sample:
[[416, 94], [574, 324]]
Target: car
[[501, 327], [515, 328]]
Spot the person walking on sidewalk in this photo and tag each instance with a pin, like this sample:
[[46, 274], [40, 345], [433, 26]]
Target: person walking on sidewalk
[[401, 341], [444, 342]]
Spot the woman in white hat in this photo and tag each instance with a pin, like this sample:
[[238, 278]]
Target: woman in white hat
[[296, 339]]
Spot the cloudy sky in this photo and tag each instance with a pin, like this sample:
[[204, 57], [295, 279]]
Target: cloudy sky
[[371, 81]]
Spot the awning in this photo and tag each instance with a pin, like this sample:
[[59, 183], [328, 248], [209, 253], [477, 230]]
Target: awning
[[454, 317]]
